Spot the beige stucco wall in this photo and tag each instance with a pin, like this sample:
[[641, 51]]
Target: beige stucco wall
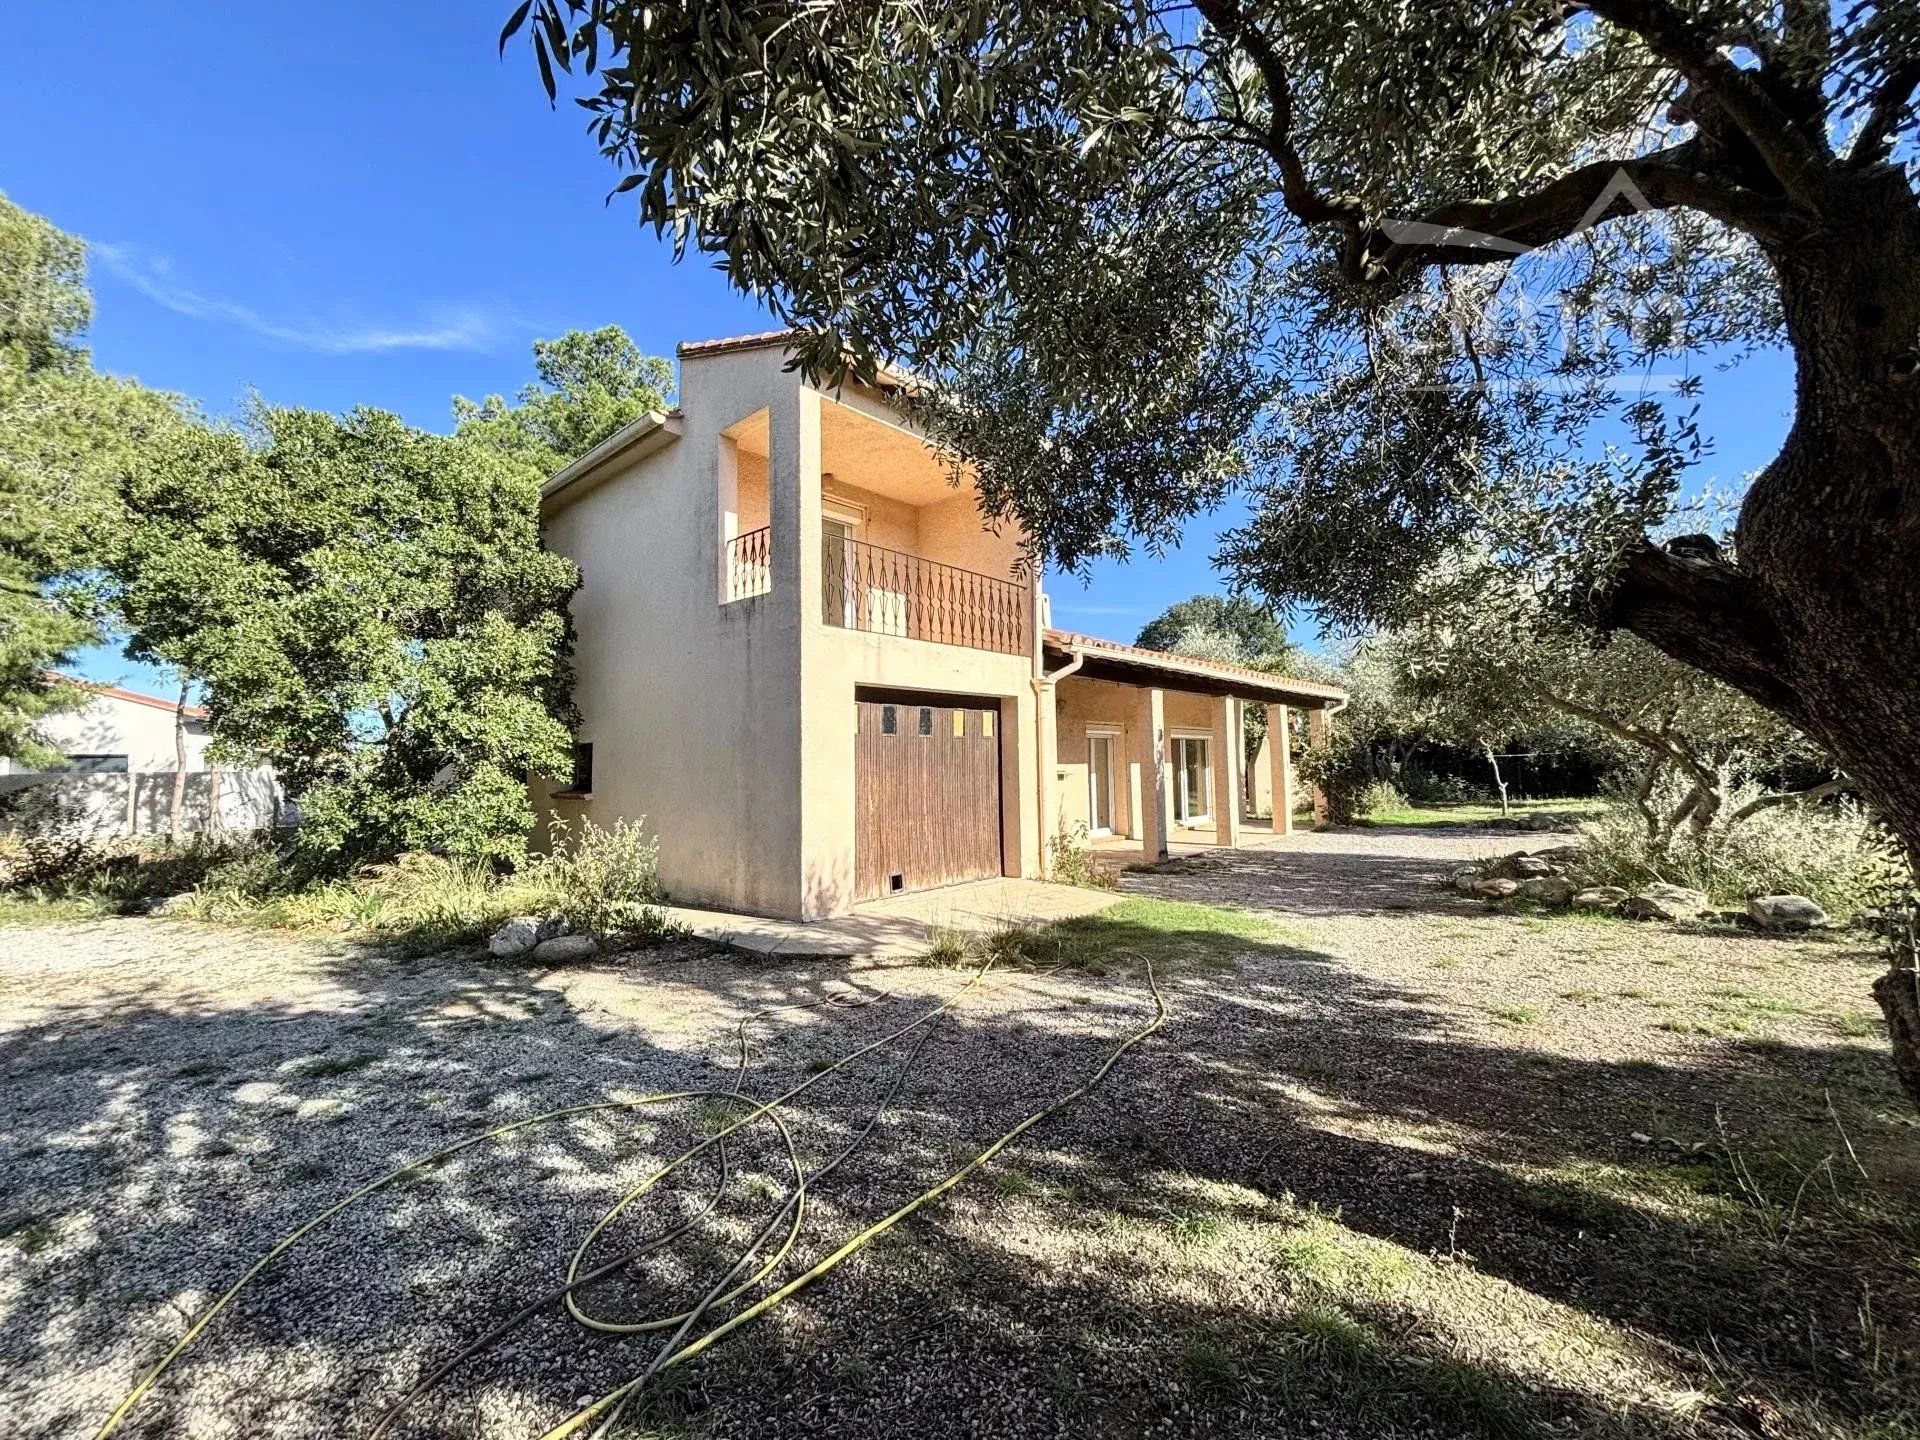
[[1082, 707], [730, 727], [689, 704]]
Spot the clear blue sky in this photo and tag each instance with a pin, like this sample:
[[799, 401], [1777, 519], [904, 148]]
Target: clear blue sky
[[358, 203]]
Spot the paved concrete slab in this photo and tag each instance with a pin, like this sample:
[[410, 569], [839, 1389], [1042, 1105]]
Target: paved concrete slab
[[898, 927]]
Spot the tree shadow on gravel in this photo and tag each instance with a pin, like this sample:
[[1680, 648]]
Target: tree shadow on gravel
[[157, 1143]]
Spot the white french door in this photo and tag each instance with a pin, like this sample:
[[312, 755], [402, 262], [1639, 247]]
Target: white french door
[[1192, 780], [1100, 784]]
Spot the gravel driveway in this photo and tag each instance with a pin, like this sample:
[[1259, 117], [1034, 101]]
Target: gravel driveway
[[180, 1096]]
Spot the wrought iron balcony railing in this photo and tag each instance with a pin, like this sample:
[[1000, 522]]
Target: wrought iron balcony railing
[[889, 592], [750, 564]]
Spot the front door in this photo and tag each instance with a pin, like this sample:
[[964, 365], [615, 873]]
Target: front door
[[1100, 784], [926, 780]]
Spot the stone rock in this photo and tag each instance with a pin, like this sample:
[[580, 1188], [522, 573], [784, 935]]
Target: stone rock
[[552, 927], [1542, 820], [1547, 890], [1496, 889], [173, 904], [1526, 867], [1665, 902], [566, 949], [1464, 880], [1556, 854], [1599, 897], [1785, 912], [516, 937]]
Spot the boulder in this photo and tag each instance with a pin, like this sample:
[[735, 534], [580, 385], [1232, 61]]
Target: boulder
[[516, 937], [552, 927], [1465, 880], [174, 904], [1547, 890], [1665, 902], [566, 949], [1556, 854], [1599, 897], [1525, 867], [1543, 820], [1495, 889], [1785, 912]]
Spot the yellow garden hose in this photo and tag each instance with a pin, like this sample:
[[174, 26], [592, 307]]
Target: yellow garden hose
[[615, 1401], [673, 1351]]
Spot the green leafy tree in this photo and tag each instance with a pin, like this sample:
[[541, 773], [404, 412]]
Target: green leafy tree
[[1147, 252], [1229, 628], [44, 308], [591, 383], [1252, 628], [369, 607], [1484, 674]]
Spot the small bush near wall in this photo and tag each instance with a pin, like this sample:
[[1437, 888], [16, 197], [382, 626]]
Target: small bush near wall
[[1070, 861]]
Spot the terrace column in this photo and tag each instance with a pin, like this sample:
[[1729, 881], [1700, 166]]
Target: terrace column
[[1156, 778], [1319, 736], [1280, 758], [1229, 748], [1047, 753]]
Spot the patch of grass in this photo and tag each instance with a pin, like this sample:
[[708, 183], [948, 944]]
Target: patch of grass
[[1858, 1024], [948, 948], [1514, 1014], [27, 908], [1474, 813], [1331, 1334], [1582, 997], [1712, 1028], [1194, 1230], [1012, 1181], [1174, 934], [1207, 1364], [710, 1117], [1445, 961]]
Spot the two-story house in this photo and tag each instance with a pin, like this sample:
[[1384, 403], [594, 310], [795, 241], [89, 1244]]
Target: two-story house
[[821, 678]]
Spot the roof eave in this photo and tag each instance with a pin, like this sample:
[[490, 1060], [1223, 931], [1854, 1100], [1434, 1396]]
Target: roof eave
[[633, 441], [1132, 663]]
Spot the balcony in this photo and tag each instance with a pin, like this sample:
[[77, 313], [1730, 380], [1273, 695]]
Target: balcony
[[890, 592]]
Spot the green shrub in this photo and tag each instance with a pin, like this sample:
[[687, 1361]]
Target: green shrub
[[1833, 853], [1070, 861], [1378, 797], [605, 882]]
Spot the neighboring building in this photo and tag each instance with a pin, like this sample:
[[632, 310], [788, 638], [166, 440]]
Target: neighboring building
[[820, 677], [117, 777]]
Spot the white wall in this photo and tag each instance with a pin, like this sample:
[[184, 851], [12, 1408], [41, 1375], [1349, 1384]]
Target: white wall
[[138, 801]]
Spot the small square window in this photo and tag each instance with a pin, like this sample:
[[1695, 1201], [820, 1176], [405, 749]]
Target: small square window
[[889, 720], [926, 720]]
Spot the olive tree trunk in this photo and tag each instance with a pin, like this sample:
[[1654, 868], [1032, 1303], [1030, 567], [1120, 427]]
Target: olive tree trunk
[[1818, 613]]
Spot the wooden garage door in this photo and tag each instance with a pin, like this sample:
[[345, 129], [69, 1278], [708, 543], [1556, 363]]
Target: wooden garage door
[[926, 793]]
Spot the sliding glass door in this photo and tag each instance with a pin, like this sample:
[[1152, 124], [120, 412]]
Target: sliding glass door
[[1192, 780]]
